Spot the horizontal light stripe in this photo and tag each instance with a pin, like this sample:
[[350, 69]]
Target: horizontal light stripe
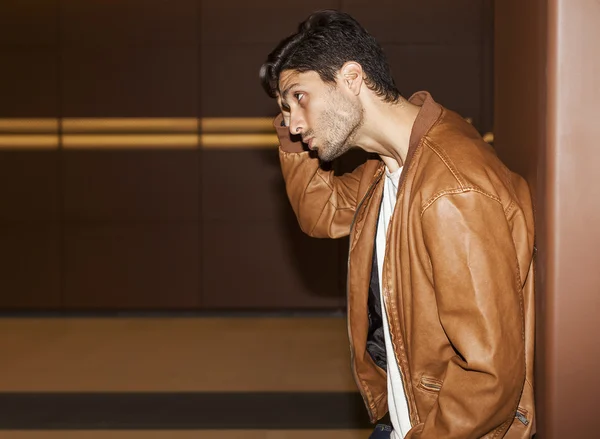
[[140, 141], [125, 141], [179, 125], [28, 126], [133, 133], [140, 125], [174, 141], [237, 125], [129, 125], [238, 141], [28, 141]]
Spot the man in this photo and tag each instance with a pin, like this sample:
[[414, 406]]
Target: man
[[440, 274]]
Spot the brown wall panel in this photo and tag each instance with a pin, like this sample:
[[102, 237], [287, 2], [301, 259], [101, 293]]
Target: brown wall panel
[[520, 62], [132, 233], [422, 22], [417, 68], [130, 82], [129, 22], [29, 186], [31, 266], [269, 265], [131, 265], [134, 185], [486, 124], [28, 22], [28, 82], [243, 185], [260, 21], [30, 276], [254, 254], [133, 221], [230, 85]]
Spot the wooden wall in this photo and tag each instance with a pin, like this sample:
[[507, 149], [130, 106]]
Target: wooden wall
[[180, 225]]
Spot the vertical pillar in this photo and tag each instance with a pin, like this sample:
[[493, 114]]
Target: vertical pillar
[[547, 128]]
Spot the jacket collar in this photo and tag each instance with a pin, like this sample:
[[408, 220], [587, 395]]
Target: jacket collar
[[427, 117], [429, 114]]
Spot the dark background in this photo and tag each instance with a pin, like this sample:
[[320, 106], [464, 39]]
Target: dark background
[[187, 229]]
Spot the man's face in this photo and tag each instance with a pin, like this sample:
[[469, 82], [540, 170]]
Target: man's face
[[327, 116]]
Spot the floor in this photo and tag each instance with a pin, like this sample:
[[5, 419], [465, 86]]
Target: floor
[[178, 377]]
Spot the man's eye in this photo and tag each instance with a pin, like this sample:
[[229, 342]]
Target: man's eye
[[298, 96]]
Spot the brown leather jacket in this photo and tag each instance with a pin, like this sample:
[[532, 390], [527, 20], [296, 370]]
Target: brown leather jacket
[[458, 280]]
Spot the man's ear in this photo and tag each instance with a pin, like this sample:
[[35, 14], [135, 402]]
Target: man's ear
[[351, 75]]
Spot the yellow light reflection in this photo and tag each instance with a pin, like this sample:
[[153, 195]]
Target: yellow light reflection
[[128, 141], [140, 133], [28, 126], [237, 125], [28, 141], [239, 141], [130, 125]]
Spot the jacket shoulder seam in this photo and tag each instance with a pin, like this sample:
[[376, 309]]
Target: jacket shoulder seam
[[433, 146], [460, 190]]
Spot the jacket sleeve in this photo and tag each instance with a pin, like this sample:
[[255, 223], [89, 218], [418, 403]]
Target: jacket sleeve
[[478, 293], [323, 203]]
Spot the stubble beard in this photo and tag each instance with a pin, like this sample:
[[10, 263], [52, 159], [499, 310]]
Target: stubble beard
[[341, 121]]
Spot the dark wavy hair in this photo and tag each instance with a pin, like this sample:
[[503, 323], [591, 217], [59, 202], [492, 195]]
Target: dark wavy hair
[[323, 43]]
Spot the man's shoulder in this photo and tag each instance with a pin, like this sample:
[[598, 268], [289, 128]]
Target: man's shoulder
[[455, 158]]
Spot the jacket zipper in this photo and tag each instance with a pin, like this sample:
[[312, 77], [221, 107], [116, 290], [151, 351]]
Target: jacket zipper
[[521, 416], [403, 375], [355, 373]]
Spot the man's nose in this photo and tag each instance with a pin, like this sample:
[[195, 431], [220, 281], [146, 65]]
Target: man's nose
[[296, 125]]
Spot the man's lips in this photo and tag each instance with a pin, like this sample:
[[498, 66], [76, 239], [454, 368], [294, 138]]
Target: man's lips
[[308, 142]]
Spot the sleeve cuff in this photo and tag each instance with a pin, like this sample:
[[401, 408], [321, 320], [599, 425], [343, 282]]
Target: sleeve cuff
[[285, 139]]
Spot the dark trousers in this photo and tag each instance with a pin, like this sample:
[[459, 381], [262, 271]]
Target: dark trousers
[[382, 431]]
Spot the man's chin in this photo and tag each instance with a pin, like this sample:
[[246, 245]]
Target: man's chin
[[325, 157], [328, 155]]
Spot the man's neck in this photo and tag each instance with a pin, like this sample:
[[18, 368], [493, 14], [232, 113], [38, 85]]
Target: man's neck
[[386, 130]]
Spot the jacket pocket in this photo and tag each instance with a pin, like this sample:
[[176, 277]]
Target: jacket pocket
[[430, 384]]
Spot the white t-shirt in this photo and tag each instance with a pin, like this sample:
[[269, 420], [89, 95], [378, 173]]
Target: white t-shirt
[[397, 403]]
